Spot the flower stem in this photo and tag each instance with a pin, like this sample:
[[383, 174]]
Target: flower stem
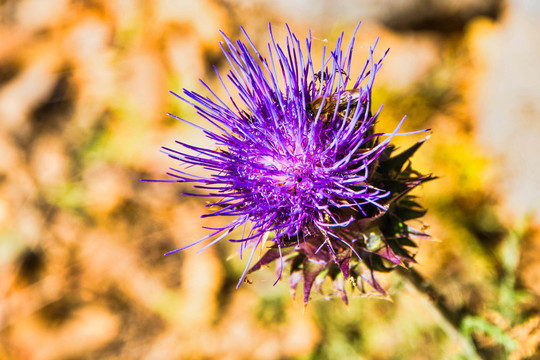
[[449, 320]]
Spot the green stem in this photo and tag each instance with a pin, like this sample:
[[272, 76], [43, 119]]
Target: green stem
[[449, 320]]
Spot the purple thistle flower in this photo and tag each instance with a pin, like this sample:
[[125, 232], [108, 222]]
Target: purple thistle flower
[[298, 164]]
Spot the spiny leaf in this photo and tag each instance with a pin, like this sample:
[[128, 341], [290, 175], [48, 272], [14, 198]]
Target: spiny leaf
[[311, 270], [395, 163]]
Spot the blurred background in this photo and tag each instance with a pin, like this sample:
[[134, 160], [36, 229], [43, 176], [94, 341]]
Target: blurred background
[[83, 96]]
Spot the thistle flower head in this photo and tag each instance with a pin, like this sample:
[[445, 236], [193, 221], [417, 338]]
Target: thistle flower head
[[299, 166]]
